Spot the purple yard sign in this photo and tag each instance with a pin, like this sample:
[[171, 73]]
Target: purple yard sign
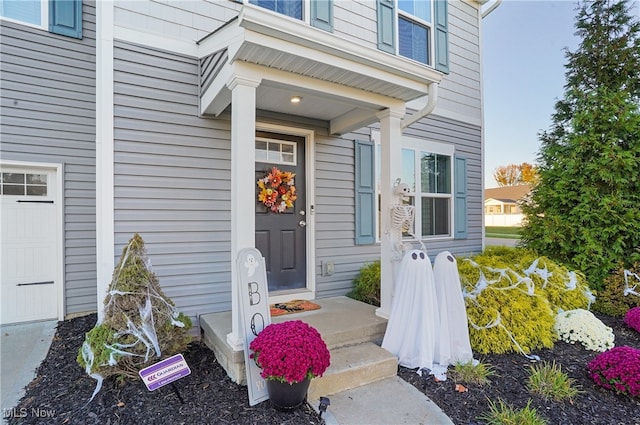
[[164, 372]]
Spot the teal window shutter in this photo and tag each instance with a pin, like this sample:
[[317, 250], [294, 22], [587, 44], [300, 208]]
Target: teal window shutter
[[322, 14], [386, 26], [365, 192], [441, 36], [65, 17], [460, 221]]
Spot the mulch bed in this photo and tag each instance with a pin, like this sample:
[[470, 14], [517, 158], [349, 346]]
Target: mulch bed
[[62, 390], [594, 405]]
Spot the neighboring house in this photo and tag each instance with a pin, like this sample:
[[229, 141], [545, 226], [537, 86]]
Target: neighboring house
[[502, 205], [158, 118]]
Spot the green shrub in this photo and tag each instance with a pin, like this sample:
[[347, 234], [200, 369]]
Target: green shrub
[[613, 300], [366, 286], [471, 373], [501, 413], [512, 297], [551, 382]]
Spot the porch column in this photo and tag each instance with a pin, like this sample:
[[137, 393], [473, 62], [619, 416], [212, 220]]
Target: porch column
[[391, 169], [243, 204]]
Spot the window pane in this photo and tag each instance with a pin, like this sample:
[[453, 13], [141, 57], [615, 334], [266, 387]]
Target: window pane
[[428, 173], [13, 178], [435, 216], [274, 152], [291, 8], [443, 174], [21, 10], [12, 189], [409, 168], [37, 179], [37, 190], [413, 40], [418, 8]]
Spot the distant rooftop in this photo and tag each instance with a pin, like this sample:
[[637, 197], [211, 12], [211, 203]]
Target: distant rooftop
[[507, 193]]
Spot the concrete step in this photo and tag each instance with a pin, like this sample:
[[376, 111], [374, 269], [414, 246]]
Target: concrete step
[[342, 322], [353, 366]]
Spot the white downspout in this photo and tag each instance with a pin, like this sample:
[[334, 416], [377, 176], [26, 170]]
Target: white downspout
[[426, 110]]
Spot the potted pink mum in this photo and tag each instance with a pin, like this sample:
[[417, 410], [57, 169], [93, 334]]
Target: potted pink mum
[[290, 354]]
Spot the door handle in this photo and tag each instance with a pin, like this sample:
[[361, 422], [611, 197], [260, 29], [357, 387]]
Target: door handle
[[302, 223]]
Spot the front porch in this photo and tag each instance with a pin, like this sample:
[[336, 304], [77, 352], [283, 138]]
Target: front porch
[[351, 330]]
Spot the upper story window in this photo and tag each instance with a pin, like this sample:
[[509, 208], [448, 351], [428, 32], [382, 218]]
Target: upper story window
[[318, 13], [63, 17], [33, 12], [292, 8], [415, 29]]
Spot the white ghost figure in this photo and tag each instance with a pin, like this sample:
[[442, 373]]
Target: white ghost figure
[[452, 344], [411, 329], [251, 264]]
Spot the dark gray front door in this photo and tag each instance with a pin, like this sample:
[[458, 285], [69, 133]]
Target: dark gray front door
[[281, 236]]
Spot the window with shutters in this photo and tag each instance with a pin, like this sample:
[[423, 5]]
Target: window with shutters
[[428, 169], [63, 17], [319, 13], [415, 29]]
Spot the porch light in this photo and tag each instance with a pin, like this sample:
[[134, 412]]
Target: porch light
[[296, 99]]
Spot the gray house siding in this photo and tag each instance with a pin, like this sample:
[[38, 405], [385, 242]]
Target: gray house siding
[[171, 177], [48, 115]]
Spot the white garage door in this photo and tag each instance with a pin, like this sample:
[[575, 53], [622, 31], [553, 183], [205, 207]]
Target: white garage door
[[30, 245]]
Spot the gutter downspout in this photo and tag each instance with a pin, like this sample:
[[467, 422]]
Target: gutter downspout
[[426, 110], [491, 8]]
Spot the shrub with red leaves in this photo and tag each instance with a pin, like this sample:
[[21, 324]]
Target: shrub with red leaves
[[632, 318], [617, 369]]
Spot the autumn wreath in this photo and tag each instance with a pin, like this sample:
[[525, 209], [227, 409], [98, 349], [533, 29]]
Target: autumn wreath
[[277, 190]]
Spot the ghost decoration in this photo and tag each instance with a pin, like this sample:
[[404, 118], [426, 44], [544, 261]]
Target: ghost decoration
[[412, 325], [251, 264], [452, 344]]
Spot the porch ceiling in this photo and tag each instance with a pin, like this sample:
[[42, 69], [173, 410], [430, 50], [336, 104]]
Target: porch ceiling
[[341, 82]]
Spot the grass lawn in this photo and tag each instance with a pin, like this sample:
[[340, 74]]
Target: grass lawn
[[502, 232]]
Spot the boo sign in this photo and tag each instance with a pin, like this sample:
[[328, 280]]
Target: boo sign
[[164, 372]]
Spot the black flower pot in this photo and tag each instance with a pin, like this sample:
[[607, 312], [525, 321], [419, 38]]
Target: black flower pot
[[287, 397]]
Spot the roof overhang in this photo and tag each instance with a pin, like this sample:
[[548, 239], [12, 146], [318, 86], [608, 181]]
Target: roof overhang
[[340, 81]]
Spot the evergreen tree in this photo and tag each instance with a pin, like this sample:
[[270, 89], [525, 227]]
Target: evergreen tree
[[585, 209]]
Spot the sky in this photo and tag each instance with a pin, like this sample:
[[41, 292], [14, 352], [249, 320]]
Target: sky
[[524, 43]]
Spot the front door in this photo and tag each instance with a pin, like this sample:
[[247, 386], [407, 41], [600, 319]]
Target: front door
[[281, 225]]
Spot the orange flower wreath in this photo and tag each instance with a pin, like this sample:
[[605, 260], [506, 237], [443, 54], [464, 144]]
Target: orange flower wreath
[[277, 190]]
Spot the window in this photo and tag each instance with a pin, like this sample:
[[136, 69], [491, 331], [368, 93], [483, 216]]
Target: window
[[427, 167], [32, 12], [414, 29], [21, 184], [275, 151], [63, 17], [292, 8]]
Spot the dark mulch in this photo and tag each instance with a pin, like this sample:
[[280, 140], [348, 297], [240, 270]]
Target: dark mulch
[[209, 396], [594, 405]]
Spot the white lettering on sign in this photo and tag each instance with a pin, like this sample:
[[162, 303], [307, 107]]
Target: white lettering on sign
[[255, 315], [164, 372]]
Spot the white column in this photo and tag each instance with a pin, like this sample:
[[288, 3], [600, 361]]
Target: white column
[[243, 186], [105, 239], [391, 169]]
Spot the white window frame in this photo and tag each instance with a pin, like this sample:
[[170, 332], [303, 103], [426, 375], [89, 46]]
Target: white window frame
[[429, 25], [418, 146], [306, 10], [44, 17], [281, 143]]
